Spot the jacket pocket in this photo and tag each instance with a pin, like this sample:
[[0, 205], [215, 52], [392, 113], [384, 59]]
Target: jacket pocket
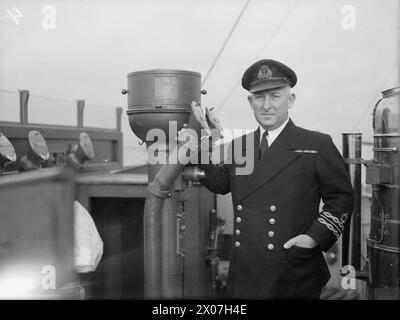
[[298, 256], [306, 269]]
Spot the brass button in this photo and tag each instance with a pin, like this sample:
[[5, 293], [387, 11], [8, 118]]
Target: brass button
[[239, 207], [237, 232], [270, 246], [237, 244], [271, 234], [238, 219], [272, 221], [272, 208]]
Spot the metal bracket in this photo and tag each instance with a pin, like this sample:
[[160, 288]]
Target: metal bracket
[[393, 149], [158, 192], [355, 161]]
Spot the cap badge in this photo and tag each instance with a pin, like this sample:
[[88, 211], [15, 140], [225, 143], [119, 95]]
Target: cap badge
[[265, 72]]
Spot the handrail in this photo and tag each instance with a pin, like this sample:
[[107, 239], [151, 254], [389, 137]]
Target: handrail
[[24, 96]]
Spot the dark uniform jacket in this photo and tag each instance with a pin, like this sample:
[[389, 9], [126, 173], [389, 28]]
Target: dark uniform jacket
[[279, 200]]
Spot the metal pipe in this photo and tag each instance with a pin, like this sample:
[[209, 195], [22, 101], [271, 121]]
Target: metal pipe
[[80, 106], [351, 237], [159, 189], [119, 115], [23, 105]]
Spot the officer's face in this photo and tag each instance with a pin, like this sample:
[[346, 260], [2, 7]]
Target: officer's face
[[271, 106]]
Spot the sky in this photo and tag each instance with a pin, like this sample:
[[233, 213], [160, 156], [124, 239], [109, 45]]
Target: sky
[[343, 52]]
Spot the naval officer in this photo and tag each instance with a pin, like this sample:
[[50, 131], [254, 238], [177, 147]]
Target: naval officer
[[280, 230]]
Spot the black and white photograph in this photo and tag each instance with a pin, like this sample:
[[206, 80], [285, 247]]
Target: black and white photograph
[[217, 152]]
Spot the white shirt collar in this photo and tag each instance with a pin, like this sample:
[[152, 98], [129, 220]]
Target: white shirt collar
[[273, 134]]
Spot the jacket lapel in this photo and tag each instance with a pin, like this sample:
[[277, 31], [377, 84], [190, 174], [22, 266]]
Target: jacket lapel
[[277, 157], [241, 180]]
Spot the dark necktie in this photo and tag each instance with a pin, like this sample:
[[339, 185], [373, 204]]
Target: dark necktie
[[263, 145]]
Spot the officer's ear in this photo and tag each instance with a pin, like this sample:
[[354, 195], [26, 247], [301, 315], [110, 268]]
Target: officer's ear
[[250, 100], [292, 98]]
